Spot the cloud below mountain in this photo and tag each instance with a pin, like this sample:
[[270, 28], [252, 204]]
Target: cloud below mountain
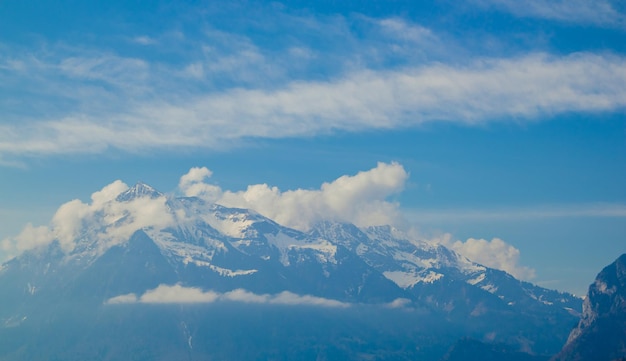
[[176, 294]]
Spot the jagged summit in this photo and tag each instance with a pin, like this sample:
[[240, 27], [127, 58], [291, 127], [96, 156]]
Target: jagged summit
[[139, 190], [601, 332], [606, 295]]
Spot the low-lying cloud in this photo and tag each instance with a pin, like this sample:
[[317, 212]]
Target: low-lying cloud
[[177, 294]]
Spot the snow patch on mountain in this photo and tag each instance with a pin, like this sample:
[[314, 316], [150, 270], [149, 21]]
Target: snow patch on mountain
[[187, 253], [409, 279], [236, 225], [474, 281], [230, 273], [283, 242], [489, 287], [324, 250], [139, 190]]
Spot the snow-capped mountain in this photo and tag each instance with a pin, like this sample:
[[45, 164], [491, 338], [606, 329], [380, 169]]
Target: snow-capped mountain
[[140, 240], [422, 268]]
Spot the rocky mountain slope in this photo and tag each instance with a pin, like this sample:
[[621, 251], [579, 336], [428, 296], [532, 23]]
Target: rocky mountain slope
[[601, 332]]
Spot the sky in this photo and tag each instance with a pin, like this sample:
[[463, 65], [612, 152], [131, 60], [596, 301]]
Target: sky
[[495, 127]]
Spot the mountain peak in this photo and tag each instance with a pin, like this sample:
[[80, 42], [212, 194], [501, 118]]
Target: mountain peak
[[603, 318], [139, 190]]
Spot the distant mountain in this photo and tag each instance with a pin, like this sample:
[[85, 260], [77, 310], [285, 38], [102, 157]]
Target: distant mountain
[[144, 249], [601, 332]]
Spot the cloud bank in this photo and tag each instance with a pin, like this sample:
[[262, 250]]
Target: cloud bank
[[361, 199], [177, 294]]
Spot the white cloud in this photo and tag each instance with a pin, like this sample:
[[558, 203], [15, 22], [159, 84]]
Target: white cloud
[[109, 222], [399, 303], [105, 68], [498, 89], [108, 193], [176, 294], [400, 28], [127, 298], [192, 184], [288, 298], [144, 40], [597, 12], [283, 298], [124, 218], [359, 199], [68, 221], [30, 237], [495, 254], [241, 295], [194, 71]]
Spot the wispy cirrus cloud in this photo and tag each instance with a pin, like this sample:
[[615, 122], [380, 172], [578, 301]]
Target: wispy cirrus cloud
[[519, 89], [594, 210], [217, 87], [596, 12]]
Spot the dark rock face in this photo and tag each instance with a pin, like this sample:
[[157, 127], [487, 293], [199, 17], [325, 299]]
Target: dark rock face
[[601, 332]]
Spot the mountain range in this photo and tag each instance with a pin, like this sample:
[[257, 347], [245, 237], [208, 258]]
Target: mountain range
[[154, 276]]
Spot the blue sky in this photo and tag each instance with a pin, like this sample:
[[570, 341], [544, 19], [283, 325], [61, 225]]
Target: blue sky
[[507, 118]]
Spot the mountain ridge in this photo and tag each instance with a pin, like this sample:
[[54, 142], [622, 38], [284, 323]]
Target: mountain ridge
[[210, 250]]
